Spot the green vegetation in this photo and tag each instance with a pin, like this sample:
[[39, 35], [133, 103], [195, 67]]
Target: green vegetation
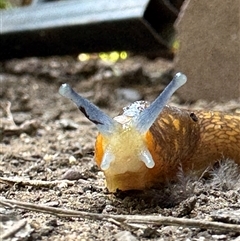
[[5, 4]]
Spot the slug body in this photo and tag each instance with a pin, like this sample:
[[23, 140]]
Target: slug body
[[177, 139], [148, 144]]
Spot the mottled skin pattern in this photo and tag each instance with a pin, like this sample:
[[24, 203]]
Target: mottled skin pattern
[[192, 141]]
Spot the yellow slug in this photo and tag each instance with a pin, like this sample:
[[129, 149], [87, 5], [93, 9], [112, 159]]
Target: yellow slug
[[147, 144]]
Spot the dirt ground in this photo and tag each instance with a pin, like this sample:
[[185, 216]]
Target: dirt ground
[[44, 137]]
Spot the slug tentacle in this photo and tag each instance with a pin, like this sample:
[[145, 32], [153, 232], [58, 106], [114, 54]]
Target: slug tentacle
[[149, 115], [108, 157], [104, 123], [146, 157]]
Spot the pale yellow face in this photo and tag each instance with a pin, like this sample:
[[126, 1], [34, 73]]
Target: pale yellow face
[[122, 156], [126, 146]]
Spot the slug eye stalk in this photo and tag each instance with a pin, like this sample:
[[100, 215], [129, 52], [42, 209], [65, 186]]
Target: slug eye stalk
[[150, 114], [104, 123]]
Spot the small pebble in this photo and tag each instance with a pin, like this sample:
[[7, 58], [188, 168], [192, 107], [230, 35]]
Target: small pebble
[[47, 157], [72, 160], [72, 175], [219, 237], [68, 124], [20, 117], [125, 236]]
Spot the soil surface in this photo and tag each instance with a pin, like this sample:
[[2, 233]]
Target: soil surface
[[44, 137]]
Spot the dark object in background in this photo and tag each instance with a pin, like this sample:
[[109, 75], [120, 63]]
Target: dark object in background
[[71, 27]]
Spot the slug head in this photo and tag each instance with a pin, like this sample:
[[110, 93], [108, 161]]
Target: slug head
[[124, 155], [122, 144]]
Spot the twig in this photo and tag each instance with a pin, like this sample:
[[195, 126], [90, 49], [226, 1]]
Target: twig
[[125, 226], [38, 183], [14, 229], [143, 219], [6, 204]]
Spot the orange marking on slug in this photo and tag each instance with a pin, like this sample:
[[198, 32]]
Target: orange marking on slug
[[99, 152], [176, 124], [166, 121]]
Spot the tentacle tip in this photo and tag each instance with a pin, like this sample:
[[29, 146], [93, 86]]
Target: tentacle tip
[[65, 90], [108, 157], [180, 78], [146, 157]]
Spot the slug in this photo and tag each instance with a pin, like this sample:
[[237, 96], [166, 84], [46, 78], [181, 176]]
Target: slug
[[148, 143]]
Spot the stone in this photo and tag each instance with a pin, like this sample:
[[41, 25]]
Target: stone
[[208, 34]]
